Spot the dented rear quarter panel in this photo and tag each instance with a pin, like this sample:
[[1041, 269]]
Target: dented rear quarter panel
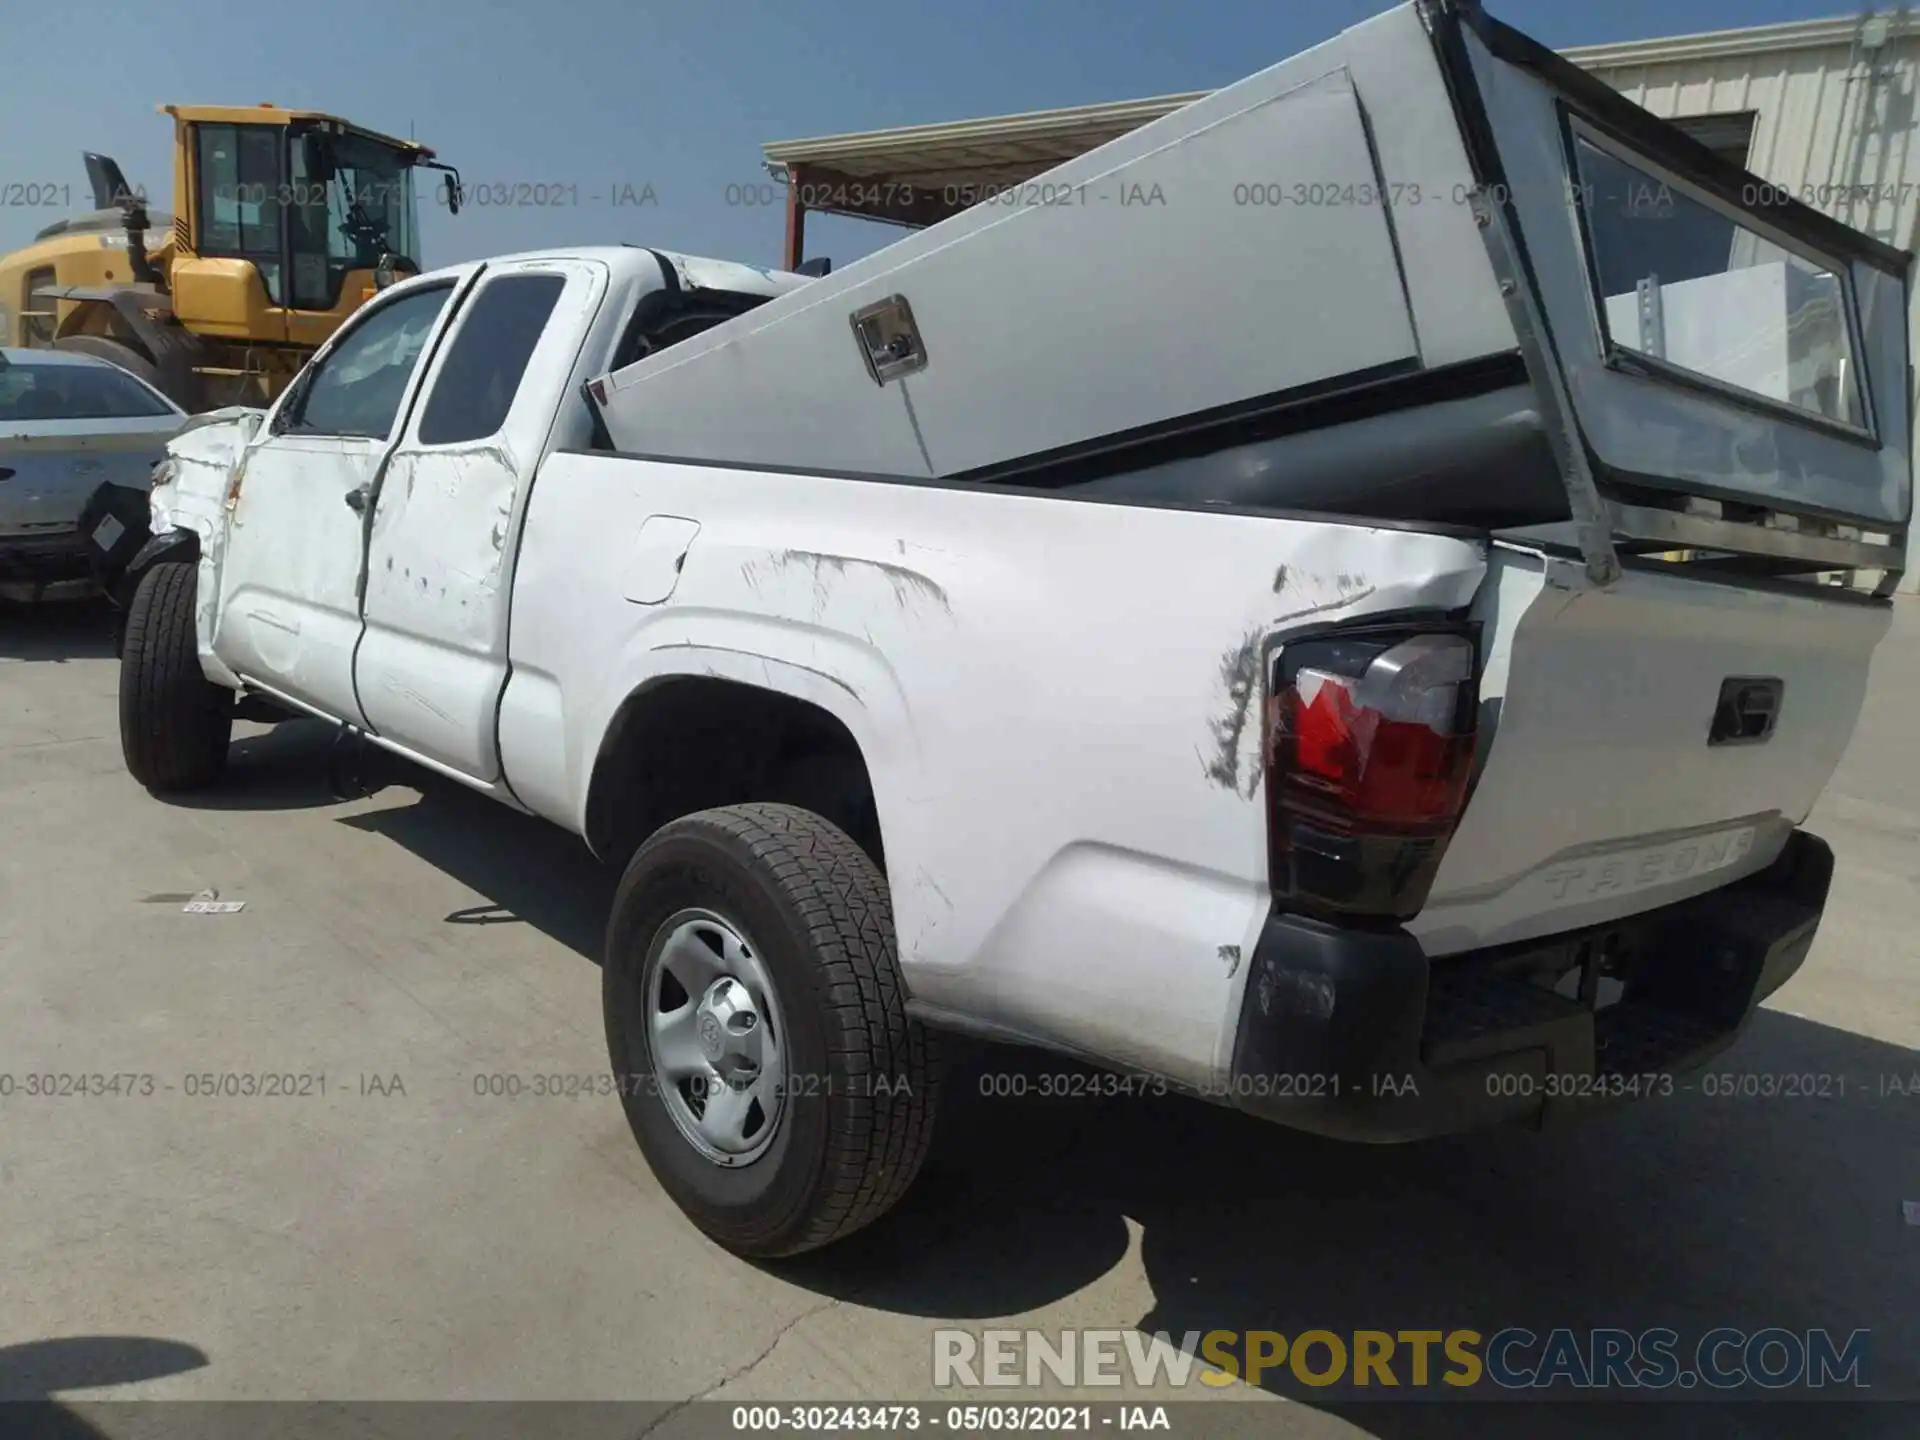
[[1056, 701]]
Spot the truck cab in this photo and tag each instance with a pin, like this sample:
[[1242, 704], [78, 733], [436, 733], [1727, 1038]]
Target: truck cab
[[353, 539]]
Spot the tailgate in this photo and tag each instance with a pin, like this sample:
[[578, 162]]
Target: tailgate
[[1604, 788], [1726, 368]]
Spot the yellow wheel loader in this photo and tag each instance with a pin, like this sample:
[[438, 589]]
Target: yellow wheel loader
[[283, 223]]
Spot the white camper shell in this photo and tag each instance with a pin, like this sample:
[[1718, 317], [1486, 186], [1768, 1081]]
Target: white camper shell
[[1424, 271]]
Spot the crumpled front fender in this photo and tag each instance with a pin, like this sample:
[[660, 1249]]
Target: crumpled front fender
[[189, 500]]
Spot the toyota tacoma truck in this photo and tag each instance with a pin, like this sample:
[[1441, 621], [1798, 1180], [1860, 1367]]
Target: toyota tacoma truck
[[1364, 656]]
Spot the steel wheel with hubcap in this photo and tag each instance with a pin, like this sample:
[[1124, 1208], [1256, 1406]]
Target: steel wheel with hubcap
[[716, 1037], [757, 1028]]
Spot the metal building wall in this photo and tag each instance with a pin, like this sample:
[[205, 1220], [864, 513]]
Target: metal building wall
[[1836, 117]]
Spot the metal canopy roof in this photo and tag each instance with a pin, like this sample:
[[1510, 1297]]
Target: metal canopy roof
[[921, 174]]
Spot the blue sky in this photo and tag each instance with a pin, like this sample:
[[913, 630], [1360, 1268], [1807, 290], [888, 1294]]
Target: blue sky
[[604, 94]]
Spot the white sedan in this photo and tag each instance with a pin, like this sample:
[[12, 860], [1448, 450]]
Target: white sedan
[[69, 426]]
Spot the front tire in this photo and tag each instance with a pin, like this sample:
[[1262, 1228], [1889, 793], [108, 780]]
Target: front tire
[[175, 724], [757, 1026]]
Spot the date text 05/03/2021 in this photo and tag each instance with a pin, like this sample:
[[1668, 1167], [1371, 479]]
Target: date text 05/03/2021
[[1038, 1419]]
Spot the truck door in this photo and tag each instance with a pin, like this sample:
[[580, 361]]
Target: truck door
[[289, 614], [433, 659]]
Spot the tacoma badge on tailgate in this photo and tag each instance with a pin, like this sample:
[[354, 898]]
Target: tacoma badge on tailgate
[[1622, 872]]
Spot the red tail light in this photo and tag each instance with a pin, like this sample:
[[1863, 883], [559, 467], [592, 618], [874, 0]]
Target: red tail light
[[1370, 745]]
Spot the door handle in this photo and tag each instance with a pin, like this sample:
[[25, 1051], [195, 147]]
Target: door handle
[[1747, 710], [357, 499]]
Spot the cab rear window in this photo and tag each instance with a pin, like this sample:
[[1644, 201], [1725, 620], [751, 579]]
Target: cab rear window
[[488, 358]]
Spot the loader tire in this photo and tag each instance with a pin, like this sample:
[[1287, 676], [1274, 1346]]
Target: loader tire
[[113, 352], [175, 724], [797, 917]]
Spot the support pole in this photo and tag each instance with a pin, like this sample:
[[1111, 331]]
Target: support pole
[[796, 221]]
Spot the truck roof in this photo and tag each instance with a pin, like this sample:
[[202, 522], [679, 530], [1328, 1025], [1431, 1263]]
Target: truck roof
[[692, 272]]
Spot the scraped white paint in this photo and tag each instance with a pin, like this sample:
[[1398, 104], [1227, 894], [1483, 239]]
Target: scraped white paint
[[1046, 693]]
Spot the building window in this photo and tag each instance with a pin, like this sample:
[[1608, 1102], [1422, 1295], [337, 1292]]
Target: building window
[[1729, 136]]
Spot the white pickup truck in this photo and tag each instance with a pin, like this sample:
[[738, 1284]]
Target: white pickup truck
[[1336, 658]]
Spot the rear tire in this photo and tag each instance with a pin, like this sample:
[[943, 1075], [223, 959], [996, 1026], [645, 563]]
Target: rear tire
[[809, 911], [175, 724]]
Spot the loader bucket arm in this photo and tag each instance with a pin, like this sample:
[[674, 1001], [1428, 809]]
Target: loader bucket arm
[[111, 192], [110, 188]]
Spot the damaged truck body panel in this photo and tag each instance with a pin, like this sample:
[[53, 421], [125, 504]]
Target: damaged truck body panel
[[1269, 684], [432, 658], [1605, 790], [193, 494], [1122, 756]]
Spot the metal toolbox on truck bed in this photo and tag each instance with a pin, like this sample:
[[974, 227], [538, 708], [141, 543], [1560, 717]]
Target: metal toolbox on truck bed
[[1426, 271]]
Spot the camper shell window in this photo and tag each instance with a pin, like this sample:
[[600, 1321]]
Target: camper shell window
[[1687, 290]]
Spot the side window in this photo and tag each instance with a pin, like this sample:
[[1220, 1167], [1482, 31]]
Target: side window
[[307, 232], [477, 381], [239, 196], [37, 328], [358, 388]]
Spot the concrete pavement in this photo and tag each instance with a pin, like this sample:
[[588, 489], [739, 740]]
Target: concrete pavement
[[408, 1233]]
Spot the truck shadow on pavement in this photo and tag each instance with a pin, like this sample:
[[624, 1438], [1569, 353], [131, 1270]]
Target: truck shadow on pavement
[[530, 872], [33, 1373], [1687, 1212], [291, 765], [57, 631]]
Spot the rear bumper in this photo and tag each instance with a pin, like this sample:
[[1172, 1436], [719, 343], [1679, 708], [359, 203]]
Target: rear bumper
[[112, 548], [1357, 1035], [83, 559]]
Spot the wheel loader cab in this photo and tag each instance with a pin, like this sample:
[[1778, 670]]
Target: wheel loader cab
[[293, 221], [283, 223]]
